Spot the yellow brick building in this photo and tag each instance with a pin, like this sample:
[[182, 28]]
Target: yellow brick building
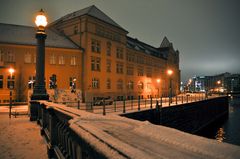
[[90, 47]]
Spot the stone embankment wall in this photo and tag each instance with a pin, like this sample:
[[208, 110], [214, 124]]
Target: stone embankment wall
[[190, 117]]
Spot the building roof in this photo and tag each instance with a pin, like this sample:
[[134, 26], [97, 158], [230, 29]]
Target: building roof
[[91, 11], [145, 48], [25, 35]]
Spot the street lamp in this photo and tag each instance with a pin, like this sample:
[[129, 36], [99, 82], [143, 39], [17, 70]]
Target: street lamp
[[39, 91], [158, 81], [218, 86], [170, 72], [11, 71]]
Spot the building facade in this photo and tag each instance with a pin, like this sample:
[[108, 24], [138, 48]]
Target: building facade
[[89, 47]]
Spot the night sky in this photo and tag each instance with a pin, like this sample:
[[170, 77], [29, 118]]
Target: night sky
[[206, 32]]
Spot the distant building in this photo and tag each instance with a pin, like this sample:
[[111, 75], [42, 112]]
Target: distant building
[[87, 50], [225, 82]]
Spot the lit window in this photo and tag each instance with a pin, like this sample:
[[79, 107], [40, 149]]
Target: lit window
[[96, 46], [73, 60], [108, 83], [130, 85], [140, 85], [27, 57], [61, 60], [31, 82], [95, 83], [95, 63], [52, 59]]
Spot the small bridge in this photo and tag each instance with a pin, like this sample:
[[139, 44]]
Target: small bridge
[[72, 133]]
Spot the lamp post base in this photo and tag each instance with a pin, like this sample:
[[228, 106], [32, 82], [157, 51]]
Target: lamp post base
[[40, 97]]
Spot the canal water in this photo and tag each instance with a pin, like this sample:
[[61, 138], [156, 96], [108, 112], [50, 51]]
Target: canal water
[[228, 129]]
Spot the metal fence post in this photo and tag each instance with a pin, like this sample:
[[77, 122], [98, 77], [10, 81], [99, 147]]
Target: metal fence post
[[138, 103], [169, 102], [176, 99], [151, 102], [161, 100], [187, 98], [78, 106], [132, 103], [145, 103], [115, 107], [104, 107], [124, 106], [182, 98]]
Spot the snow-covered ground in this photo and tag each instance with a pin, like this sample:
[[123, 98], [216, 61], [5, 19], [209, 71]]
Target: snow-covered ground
[[20, 139]]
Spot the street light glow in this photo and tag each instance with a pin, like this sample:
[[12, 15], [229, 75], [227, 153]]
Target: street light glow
[[219, 82], [41, 20], [11, 71], [169, 72], [158, 80]]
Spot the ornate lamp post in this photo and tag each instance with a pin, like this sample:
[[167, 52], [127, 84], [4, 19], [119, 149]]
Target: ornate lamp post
[[11, 71], [39, 91], [170, 72]]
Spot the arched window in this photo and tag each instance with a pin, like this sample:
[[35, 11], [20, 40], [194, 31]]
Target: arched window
[[140, 85]]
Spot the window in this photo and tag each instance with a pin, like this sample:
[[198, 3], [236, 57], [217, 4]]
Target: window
[[140, 59], [130, 85], [10, 82], [109, 45], [108, 66], [120, 84], [52, 59], [119, 53], [119, 68], [10, 57], [149, 72], [34, 58], [27, 57], [1, 81], [72, 84], [95, 83], [96, 46], [108, 83], [130, 57], [130, 70], [1, 56], [149, 86], [140, 71], [75, 29], [61, 60], [96, 63], [140, 85], [53, 81], [73, 61], [31, 82]]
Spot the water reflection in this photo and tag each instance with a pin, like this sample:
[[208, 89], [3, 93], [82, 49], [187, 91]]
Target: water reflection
[[220, 135]]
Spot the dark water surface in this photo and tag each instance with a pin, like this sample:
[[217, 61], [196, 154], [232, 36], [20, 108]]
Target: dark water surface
[[227, 130]]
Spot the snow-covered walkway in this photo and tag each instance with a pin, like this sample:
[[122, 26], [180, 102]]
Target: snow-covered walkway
[[20, 139]]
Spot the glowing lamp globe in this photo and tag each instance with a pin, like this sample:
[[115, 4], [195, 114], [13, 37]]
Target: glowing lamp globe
[[11, 70], [41, 20], [169, 72]]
